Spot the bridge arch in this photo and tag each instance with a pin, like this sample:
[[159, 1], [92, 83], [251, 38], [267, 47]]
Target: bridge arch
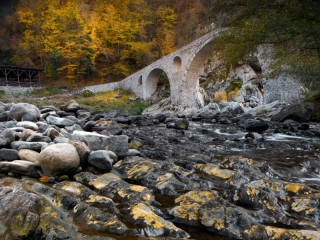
[[194, 69], [156, 78]]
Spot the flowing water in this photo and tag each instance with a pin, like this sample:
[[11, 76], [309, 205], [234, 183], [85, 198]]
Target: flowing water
[[298, 161]]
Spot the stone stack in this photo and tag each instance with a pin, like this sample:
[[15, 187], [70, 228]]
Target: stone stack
[[52, 142]]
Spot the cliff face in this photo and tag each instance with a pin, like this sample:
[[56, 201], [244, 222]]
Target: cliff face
[[252, 82]]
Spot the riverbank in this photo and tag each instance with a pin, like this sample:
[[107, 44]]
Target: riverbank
[[222, 175]]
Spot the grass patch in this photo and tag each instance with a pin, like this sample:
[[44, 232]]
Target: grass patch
[[45, 91], [235, 85], [120, 100], [312, 96]]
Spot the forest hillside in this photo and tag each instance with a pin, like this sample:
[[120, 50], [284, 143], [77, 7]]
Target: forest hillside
[[82, 41]]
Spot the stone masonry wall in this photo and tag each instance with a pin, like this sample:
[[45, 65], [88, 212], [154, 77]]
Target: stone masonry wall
[[16, 90]]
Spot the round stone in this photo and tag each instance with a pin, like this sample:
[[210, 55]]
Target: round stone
[[59, 159]]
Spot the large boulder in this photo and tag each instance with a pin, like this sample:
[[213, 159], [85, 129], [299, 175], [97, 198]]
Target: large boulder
[[257, 126], [25, 215], [59, 159], [301, 112], [24, 111]]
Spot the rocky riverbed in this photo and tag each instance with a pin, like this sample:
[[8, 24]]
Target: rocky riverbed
[[222, 172]]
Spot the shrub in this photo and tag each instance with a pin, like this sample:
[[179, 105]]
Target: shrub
[[232, 94], [220, 96], [87, 93]]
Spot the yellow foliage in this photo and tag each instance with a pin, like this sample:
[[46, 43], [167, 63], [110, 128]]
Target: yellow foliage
[[78, 38], [232, 94], [220, 96]]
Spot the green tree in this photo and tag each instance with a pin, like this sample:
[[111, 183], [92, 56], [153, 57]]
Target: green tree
[[292, 26]]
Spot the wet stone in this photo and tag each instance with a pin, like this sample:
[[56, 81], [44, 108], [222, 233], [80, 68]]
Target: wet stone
[[38, 138], [257, 126], [166, 178], [36, 146], [9, 154], [100, 159], [112, 130], [84, 177]]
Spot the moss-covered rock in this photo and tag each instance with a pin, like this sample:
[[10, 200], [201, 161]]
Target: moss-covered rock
[[135, 144], [26, 215], [153, 225], [188, 205], [114, 187], [94, 219]]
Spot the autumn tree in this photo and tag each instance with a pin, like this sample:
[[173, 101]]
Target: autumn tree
[[77, 39]]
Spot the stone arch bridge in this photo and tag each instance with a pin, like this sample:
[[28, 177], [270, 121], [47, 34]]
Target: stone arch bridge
[[182, 67]]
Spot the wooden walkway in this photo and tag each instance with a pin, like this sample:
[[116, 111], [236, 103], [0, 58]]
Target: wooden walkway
[[19, 77]]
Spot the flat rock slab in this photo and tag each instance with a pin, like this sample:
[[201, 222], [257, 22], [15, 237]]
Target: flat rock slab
[[60, 122], [29, 125], [22, 167]]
